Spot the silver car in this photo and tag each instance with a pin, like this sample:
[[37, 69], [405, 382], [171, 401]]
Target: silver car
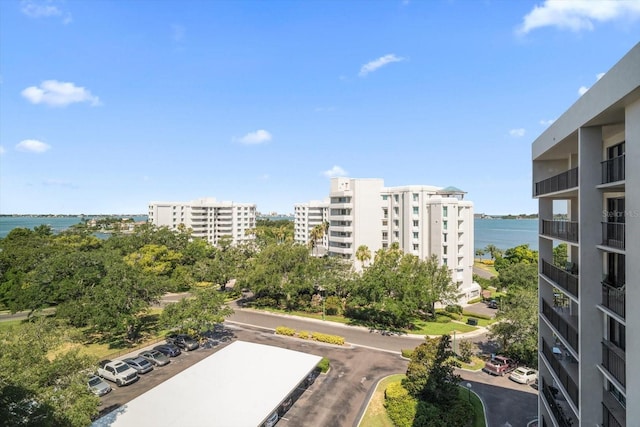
[[98, 386], [155, 357], [140, 364]]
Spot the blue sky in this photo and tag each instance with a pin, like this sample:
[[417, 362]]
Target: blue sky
[[106, 106]]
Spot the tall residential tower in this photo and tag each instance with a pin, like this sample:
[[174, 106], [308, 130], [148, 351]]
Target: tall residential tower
[[587, 165]]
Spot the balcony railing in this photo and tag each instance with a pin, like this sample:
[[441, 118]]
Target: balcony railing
[[613, 170], [564, 377], [613, 299], [560, 182], [613, 412], [613, 360], [565, 230], [613, 234], [565, 329], [558, 413], [561, 277]]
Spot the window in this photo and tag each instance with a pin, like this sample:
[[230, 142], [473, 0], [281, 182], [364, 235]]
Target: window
[[445, 211], [385, 197], [444, 237], [444, 261], [396, 211], [396, 234], [385, 235], [444, 225], [617, 333], [415, 247], [415, 235], [396, 222], [415, 197], [416, 223], [444, 250], [396, 198], [385, 213], [416, 210]]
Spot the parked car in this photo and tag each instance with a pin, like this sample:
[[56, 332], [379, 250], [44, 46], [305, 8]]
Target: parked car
[[272, 420], [140, 364], [493, 304], [155, 357], [500, 365], [118, 372], [98, 386], [168, 349], [524, 375], [184, 341]]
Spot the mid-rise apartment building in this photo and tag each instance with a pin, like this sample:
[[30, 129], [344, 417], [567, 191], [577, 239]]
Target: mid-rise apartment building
[[207, 218], [587, 165], [307, 216], [422, 220]]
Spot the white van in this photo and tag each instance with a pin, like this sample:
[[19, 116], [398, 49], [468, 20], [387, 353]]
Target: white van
[[272, 420]]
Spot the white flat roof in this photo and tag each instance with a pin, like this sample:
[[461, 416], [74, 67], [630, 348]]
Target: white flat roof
[[240, 385]]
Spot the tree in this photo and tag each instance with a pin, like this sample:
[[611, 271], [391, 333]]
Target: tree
[[363, 254], [198, 313], [480, 253], [430, 374], [518, 254], [316, 233], [493, 251], [560, 255], [519, 275], [38, 388]]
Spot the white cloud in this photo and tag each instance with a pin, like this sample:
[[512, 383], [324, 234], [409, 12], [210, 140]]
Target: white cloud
[[518, 133], [258, 137], [372, 66], [599, 76], [577, 15], [32, 146], [35, 9], [547, 122], [582, 90], [59, 94], [334, 171]]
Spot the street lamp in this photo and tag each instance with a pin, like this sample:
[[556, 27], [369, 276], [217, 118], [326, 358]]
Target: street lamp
[[320, 289], [469, 388]]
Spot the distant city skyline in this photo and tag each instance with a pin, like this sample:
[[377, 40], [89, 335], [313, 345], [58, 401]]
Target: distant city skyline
[[107, 106]]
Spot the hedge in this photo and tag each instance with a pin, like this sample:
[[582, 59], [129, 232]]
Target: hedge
[[283, 330], [305, 335], [401, 407], [323, 365], [477, 315]]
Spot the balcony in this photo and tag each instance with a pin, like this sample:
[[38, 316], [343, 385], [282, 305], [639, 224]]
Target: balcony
[[614, 299], [613, 170], [559, 409], [562, 278], [613, 413], [560, 182], [561, 325], [562, 362], [565, 230], [613, 360], [613, 235]]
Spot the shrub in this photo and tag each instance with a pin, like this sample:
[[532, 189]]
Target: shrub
[[401, 407], [454, 308], [465, 349], [442, 319], [323, 365], [451, 315], [333, 305], [305, 335], [283, 330], [326, 338], [474, 300]]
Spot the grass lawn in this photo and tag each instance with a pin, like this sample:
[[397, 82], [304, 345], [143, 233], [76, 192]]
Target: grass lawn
[[478, 419], [485, 267], [475, 365], [481, 322], [376, 414], [421, 327], [6, 324]]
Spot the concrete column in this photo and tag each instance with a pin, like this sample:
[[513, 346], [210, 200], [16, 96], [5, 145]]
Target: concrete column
[[590, 262], [632, 243]]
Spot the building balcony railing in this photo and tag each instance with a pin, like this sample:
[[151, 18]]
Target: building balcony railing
[[563, 327], [613, 413], [614, 299], [565, 230], [558, 412], [613, 234], [565, 379], [560, 182], [613, 360], [561, 277], [613, 170]]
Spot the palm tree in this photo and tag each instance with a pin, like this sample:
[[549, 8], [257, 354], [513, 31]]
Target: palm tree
[[363, 254], [493, 251], [480, 253], [316, 234]]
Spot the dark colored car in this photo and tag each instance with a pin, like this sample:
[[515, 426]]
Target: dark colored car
[[493, 304], [140, 364], [184, 341], [155, 357], [167, 349]]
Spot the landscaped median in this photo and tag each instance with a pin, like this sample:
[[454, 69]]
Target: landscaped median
[[306, 335]]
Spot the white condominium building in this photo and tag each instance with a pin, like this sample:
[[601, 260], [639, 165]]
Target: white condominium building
[[306, 217], [209, 219], [587, 164], [422, 220]]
